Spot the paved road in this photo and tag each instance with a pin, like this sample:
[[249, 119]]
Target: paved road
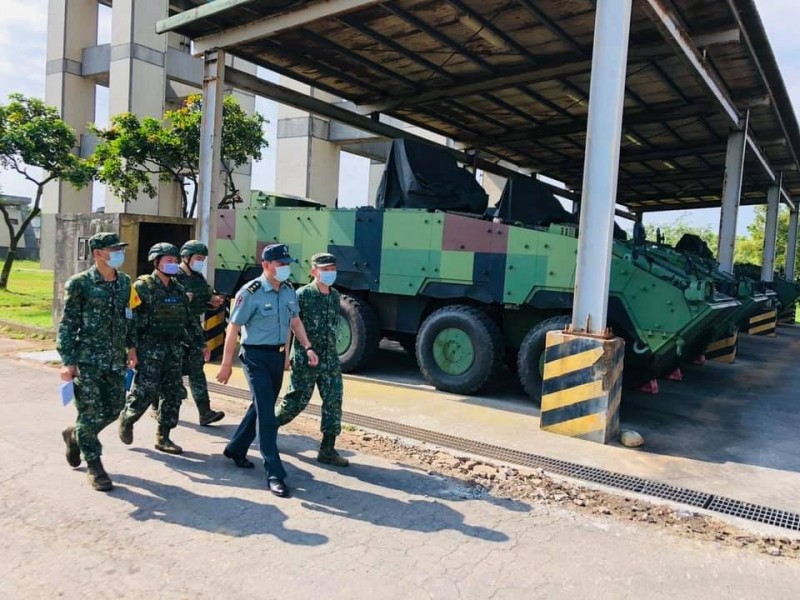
[[195, 527]]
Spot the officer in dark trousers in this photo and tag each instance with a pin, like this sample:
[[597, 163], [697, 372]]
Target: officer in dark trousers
[[265, 310]]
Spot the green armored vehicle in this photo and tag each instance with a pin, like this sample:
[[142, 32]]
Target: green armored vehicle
[[786, 292], [694, 257], [463, 288]]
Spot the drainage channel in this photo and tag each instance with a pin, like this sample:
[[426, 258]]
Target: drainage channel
[[712, 502]]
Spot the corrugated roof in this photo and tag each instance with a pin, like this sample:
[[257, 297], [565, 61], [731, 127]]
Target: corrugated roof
[[511, 78]]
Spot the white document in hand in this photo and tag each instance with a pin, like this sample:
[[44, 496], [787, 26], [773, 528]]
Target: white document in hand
[[67, 392]]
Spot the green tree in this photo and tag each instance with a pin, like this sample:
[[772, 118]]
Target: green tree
[[673, 232], [750, 249], [133, 150], [37, 144]]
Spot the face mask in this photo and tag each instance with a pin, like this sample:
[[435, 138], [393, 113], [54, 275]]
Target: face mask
[[170, 268], [282, 273], [327, 277], [115, 259], [197, 266]]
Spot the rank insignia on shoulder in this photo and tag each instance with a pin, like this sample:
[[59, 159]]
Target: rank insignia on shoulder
[[253, 287]]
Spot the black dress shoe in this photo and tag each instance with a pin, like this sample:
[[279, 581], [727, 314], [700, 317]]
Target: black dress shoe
[[277, 487], [239, 461]]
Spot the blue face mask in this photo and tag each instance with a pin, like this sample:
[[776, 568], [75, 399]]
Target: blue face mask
[[283, 272], [197, 266], [115, 259], [327, 277], [170, 268]]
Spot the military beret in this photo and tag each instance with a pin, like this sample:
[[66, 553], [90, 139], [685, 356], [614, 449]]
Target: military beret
[[277, 252], [323, 259], [105, 239]]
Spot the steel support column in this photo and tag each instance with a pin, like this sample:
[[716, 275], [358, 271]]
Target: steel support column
[[771, 232], [731, 193], [791, 245], [209, 180], [603, 134]]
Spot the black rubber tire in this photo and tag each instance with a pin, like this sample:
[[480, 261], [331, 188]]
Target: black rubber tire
[[365, 333], [486, 339], [530, 352]]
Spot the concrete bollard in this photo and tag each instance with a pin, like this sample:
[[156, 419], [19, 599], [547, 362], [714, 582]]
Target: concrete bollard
[[582, 386]]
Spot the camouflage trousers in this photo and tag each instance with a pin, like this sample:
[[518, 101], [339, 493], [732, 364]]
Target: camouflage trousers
[[99, 398], [193, 364], [158, 382], [327, 376]]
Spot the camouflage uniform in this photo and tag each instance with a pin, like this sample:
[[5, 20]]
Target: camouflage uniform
[[164, 322], [193, 361], [95, 333], [320, 314]]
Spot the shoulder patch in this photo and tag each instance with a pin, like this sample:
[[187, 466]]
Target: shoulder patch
[[254, 286]]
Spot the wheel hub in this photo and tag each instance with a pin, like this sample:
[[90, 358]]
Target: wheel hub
[[453, 351]]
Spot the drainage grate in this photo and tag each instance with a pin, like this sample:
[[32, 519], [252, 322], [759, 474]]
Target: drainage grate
[[712, 502]]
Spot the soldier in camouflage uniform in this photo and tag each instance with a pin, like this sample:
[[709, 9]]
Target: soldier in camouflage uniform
[[96, 330], [319, 311], [164, 322], [201, 298]]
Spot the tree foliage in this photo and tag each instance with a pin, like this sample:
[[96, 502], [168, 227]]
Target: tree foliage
[[674, 231], [133, 151], [38, 145]]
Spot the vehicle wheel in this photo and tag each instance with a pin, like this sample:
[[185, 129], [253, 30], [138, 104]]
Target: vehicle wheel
[[358, 333], [530, 360], [458, 348]]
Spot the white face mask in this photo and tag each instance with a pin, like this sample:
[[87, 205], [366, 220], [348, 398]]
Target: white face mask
[[327, 277], [197, 266], [283, 272], [170, 268], [115, 258]]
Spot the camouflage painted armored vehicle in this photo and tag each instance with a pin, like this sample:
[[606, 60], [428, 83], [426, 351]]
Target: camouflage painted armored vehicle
[[694, 257], [462, 287], [787, 293]]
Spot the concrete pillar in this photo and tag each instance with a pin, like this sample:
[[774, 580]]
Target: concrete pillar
[[209, 181], [770, 233], [71, 27], [604, 130], [307, 164], [376, 169], [137, 84], [791, 245], [731, 193]]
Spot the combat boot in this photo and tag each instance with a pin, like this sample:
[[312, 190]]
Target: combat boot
[[73, 452], [328, 455], [97, 476], [125, 430], [165, 444], [211, 416]]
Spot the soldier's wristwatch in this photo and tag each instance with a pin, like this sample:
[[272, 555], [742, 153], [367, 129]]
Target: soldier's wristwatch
[[309, 349]]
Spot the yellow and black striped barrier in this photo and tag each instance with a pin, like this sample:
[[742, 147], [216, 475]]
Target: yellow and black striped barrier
[[214, 323], [724, 349], [764, 323], [582, 386], [787, 314]]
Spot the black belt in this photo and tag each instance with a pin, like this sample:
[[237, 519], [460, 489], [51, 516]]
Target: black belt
[[267, 347]]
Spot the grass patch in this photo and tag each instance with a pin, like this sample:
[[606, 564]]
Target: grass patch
[[29, 297]]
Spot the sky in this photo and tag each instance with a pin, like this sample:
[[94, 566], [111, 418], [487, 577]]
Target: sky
[[23, 38]]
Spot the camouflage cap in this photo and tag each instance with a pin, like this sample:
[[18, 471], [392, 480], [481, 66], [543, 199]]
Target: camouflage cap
[[105, 239], [323, 259]]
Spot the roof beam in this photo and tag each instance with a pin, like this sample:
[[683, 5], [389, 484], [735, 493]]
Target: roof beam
[[677, 36], [205, 11], [665, 112], [277, 23]]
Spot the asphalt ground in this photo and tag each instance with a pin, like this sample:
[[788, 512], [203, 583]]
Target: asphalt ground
[[193, 526], [730, 430]]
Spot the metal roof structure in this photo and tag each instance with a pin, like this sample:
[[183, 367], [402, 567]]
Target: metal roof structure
[[508, 80]]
